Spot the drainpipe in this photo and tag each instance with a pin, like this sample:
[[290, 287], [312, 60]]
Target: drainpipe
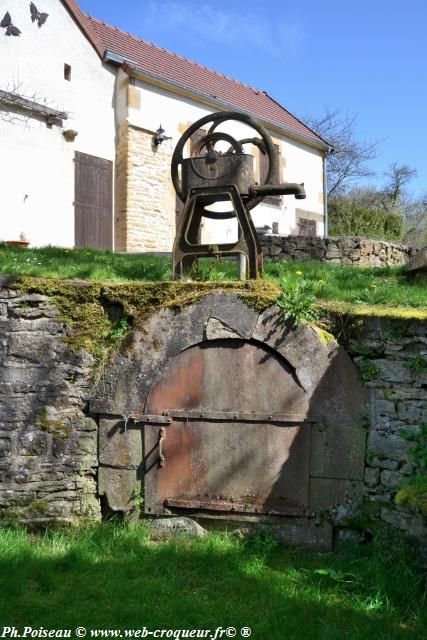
[[325, 199]]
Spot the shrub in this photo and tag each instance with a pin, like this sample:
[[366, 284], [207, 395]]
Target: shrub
[[347, 218]]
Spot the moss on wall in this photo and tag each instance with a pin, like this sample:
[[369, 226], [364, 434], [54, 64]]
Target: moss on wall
[[58, 428], [85, 307]]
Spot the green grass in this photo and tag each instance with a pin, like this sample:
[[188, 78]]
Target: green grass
[[111, 577], [364, 288]]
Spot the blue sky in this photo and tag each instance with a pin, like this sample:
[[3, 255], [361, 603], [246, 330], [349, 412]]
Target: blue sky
[[367, 58]]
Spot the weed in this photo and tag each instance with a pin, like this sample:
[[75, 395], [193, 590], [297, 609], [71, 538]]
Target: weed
[[264, 541], [370, 454], [297, 302], [413, 493], [138, 498], [368, 370], [418, 365], [117, 331], [418, 451]]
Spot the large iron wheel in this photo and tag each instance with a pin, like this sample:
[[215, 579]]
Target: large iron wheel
[[265, 144]]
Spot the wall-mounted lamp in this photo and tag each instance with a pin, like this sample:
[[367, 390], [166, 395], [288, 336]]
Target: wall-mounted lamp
[[70, 135], [159, 136]]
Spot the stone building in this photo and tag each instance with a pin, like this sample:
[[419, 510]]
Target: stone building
[[80, 102]]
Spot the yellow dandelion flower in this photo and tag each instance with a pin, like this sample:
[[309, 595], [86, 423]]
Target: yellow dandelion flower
[[373, 286], [298, 273]]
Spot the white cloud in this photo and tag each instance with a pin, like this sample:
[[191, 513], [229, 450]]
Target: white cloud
[[203, 22]]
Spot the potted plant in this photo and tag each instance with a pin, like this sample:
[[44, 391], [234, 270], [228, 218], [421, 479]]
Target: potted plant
[[22, 243]]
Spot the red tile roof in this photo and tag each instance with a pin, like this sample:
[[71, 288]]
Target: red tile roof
[[151, 59]]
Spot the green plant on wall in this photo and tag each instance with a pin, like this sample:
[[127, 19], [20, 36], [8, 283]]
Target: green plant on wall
[[413, 494], [418, 451], [418, 365], [368, 371], [297, 301], [117, 331]]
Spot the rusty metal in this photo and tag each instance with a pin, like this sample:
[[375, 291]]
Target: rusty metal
[[226, 169], [210, 176], [241, 416], [186, 244], [236, 507], [238, 435], [162, 437], [150, 419]]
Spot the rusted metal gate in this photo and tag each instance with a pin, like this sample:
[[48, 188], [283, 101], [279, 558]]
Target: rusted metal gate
[[225, 433], [93, 202]]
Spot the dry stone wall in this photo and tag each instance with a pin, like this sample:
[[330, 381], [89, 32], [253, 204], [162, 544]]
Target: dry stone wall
[[48, 445], [392, 357], [353, 251]]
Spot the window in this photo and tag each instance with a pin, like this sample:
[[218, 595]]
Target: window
[[306, 227], [67, 72], [277, 179]]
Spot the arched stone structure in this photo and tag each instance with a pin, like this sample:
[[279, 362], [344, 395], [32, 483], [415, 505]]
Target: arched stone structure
[[266, 423]]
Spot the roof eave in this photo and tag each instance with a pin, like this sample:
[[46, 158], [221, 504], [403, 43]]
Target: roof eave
[[86, 28], [132, 69]]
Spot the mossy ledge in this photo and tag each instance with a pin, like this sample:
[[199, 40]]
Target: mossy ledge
[[83, 306]]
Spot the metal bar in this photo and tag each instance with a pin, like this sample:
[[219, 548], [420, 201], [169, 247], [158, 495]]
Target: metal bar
[[216, 505], [239, 416], [150, 419]]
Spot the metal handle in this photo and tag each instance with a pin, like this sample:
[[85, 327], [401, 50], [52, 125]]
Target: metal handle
[[162, 436]]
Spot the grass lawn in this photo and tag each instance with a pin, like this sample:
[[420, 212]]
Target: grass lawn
[[111, 577], [352, 287]]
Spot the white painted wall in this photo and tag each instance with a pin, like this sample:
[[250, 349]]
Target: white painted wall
[[36, 162], [303, 162]]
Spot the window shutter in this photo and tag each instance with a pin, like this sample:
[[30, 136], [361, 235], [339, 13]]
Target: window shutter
[[263, 169], [306, 227]]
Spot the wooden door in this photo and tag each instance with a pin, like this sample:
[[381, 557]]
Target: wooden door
[[93, 202]]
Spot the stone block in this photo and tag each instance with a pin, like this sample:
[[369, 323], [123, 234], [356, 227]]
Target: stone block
[[119, 486], [393, 371], [385, 406], [120, 448], [391, 479], [388, 446], [418, 263], [162, 529], [383, 463], [326, 493], [372, 476], [333, 253], [31, 444], [5, 446]]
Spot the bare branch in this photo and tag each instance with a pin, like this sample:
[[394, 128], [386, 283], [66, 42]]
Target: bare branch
[[351, 156]]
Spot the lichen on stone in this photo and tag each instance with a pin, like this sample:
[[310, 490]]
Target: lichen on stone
[[50, 423]]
